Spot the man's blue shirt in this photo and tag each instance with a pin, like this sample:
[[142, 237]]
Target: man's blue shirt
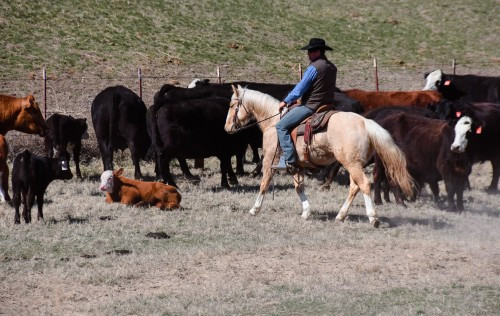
[[303, 85]]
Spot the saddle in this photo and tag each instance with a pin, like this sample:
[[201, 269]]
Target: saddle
[[311, 125]]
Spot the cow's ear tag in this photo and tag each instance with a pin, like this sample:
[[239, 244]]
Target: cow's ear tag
[[479, 130], [447, 82], [458, 114]]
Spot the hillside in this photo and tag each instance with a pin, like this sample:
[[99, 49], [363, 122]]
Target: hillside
[[117, 37]]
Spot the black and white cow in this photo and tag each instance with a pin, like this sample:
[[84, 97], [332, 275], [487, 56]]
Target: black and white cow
[[65, 133], [31, 175], [467, 88]]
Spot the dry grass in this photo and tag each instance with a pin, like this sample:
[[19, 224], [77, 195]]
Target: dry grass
[[221, 260]]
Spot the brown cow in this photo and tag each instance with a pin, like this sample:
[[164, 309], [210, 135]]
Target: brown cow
[[138, 193], [375, 99], [21, 114], [4, 170]]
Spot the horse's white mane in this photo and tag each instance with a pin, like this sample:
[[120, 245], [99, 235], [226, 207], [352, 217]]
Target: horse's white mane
[[262, 103]]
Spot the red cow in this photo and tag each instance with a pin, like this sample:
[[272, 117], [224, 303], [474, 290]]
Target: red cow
[[375, 99], [21, 114], [138, 193]]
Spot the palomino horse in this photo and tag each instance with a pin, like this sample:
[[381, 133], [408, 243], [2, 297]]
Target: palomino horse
[[349, 139]]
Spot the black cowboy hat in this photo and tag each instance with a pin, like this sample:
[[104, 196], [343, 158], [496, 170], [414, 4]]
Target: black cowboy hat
[[316, 43]]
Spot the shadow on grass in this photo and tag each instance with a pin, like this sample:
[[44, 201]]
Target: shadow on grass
[[386, 222]]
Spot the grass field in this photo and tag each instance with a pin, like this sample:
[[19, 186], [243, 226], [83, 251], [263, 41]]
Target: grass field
[[89, 257]]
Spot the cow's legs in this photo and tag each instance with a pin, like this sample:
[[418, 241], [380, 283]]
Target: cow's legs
[[39, 202], [2, 192], [435, 190], [185, 170], [232, 176], [298, 181], [496, 174], [224, 171], [16, 201], [76, 158], [29, 201], [164, 166], [135, 159], [5, 182], [378, 177], [107, 155]]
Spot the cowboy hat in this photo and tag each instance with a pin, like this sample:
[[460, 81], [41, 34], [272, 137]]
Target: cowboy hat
[[316, 43]]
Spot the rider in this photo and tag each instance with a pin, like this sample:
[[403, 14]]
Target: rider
[[316, 88]]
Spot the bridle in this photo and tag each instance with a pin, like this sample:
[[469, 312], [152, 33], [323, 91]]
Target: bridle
[[236, 125]]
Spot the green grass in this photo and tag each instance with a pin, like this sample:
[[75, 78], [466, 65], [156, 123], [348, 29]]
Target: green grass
[[112, 36]]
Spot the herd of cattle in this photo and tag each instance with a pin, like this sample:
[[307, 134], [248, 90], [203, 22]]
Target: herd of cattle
[[188, 123]]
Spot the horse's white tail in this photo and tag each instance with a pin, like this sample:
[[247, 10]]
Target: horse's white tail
[[392, 157]]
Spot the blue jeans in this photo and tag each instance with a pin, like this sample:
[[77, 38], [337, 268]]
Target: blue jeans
[[284, 127]]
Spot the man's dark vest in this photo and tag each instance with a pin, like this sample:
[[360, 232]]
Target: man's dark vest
[[322, 90]]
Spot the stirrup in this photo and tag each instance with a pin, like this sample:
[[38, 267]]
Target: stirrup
[[281, 166]]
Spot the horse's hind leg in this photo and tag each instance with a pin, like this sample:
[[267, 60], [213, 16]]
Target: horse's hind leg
[[353, 190], [361, 181]]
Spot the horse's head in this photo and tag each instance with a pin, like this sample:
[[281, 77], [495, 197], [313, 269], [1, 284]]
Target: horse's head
[[238, 114]]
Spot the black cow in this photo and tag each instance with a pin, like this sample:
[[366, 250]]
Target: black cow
[[484, 145], [65, 133], [31, 175], [434, 151], [189, 129], [119, 119], [467, 88]]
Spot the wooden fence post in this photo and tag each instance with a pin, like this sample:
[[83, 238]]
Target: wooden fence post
[[453, 66], [44, 76], [376, 73], [300, 71], [139, 75]]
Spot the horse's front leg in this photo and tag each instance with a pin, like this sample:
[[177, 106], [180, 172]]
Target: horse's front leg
[[298, 182], [264, 184]]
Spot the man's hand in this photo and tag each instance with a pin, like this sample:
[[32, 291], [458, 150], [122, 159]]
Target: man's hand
[[282, 105]]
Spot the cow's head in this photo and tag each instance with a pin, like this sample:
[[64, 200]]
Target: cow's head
[[30, 119], [198, 83], [62, 171], [434, 79], [108, 179], [463, 126]]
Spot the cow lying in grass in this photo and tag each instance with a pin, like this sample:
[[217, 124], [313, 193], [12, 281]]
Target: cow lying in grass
[[138, 193], [31, 175]]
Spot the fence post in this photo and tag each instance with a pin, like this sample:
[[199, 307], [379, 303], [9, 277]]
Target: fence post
[[139, 75], [219, 79], [376, 73], [44, 76], [300, 71], [453, 66]]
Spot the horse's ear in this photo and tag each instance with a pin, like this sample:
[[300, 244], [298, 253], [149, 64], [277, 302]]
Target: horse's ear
[[235, 90]]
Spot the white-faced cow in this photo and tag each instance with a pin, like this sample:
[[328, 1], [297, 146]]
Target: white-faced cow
[[467, 88], [31, 175], [434, 151], [119, 119], [65, 133]]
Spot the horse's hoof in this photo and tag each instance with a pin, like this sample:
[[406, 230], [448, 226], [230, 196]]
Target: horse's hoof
[[253, 212], [305, 215], [375, 223], [339, 220]]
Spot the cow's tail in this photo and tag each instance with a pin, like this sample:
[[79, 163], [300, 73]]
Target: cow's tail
[[113, 110], [392, 157]]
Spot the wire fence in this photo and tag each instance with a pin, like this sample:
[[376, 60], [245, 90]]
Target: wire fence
[[73, 95]]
